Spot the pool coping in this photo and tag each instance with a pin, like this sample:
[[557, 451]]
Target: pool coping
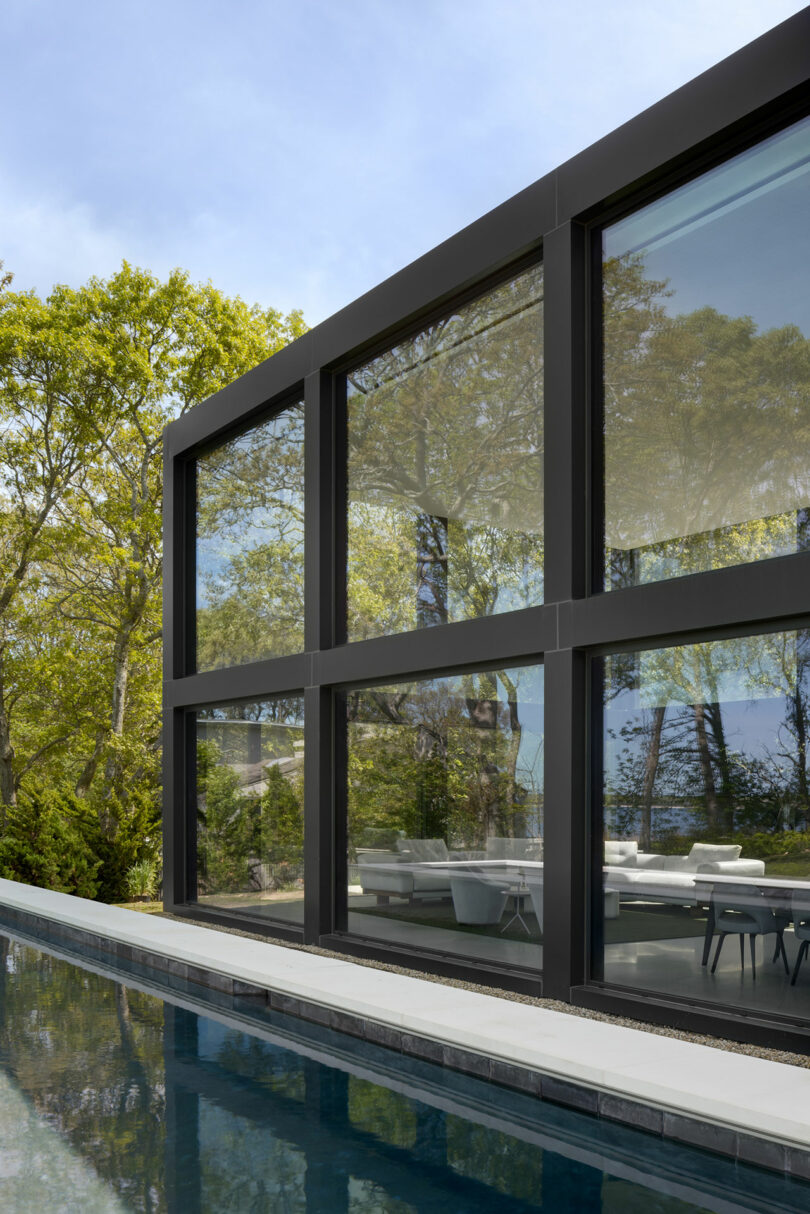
[[746, 1108]]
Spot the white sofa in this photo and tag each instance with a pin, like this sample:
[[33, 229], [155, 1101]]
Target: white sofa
[[407, 872], [644, 876]]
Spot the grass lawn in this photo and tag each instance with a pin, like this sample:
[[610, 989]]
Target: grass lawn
[[797, 867], [146, 908]]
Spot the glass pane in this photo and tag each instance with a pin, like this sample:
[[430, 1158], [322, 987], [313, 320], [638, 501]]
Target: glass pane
[[250, 545], [445, 468], [250, 808], [707, 370], [445, 814], [707, 820]]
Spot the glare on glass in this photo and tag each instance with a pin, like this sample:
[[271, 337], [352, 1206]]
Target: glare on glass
[[445, 468], [445, 813], [250, 544], [706, 816], [707, 370]]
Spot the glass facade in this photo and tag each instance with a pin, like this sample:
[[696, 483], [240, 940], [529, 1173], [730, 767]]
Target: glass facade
[[250, 808], [445, 814], [445, 468], [250, 544], [706, 328], [664, 421], [707, 820]]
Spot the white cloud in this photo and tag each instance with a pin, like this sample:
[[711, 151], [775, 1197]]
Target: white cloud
[[51, 240]]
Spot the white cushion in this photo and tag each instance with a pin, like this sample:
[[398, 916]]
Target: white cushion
[[625, 847], [734, 868], [369, 856], [679, 864], [648, 859], [711, 853], [621, 853], [425, 851]]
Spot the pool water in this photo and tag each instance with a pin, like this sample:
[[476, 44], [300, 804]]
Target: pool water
[[117, 1095]]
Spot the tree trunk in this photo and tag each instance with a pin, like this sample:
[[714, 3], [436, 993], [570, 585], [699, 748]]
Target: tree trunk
[[115, 728], [119, 701], [709, 790], [726, 797], [650, 772], [8, 786], [89, 770], [518, 817], [797, 712]]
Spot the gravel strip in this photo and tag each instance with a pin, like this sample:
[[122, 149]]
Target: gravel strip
[[554, 1005]]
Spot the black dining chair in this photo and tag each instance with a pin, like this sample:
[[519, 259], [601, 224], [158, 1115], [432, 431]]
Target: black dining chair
[[741, 910], [800, 906]]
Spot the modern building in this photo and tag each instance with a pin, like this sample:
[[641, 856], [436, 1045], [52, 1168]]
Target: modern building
[[488, 600]]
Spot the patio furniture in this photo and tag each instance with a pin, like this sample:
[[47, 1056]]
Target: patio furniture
[[777, 897], [801, 926], [518, 893], [389, 874], [477, 901], [742, 910]]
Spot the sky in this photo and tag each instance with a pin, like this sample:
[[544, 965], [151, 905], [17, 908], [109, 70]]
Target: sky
[[296, 154]]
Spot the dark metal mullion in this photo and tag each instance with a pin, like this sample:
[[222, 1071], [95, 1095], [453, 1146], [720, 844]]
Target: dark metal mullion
[[254, 681], [736, 599], [566, 848], [567, 503], [505, 639], [187, 728], [319, 815], [178, 499], [319, 629], [596, 790]]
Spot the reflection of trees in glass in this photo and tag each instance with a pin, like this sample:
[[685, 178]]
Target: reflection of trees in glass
[[713, 736], [450, 758], [250, 815], [250, 544], [445, 468], [707, 430]]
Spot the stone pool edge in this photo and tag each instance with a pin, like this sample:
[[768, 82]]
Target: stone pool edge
[[767, 1127]]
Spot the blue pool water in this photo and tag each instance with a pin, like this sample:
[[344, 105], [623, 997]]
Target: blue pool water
[[117, 1095]]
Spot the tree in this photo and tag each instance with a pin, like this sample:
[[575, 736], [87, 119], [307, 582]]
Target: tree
[[89, 377], [54, 417]]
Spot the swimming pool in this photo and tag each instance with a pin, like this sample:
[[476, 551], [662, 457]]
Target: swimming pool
[[118, 1094]]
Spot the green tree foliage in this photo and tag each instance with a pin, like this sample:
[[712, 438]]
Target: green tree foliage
[[281, 839], [443, 759], [250, 544], [89, 377], [49, 840]]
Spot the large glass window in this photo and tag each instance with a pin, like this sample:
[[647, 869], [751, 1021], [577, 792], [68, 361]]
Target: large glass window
[[445, 814], [445, 468], [707, 370], [250, 808], [707, 821], [250, 544]]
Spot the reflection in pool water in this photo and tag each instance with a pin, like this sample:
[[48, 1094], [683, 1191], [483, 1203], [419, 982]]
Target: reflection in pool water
[[112, 1099]]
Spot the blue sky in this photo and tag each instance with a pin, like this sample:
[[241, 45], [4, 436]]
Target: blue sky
[[298, 153]]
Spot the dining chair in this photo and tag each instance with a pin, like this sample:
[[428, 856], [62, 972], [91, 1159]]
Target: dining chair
[[741, 910], [800, 906]]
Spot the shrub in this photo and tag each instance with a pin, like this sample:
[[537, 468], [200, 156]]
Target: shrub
[[142, 879], [49, 842]]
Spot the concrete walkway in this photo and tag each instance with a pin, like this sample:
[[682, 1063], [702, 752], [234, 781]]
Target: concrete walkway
[[750, 1095]]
